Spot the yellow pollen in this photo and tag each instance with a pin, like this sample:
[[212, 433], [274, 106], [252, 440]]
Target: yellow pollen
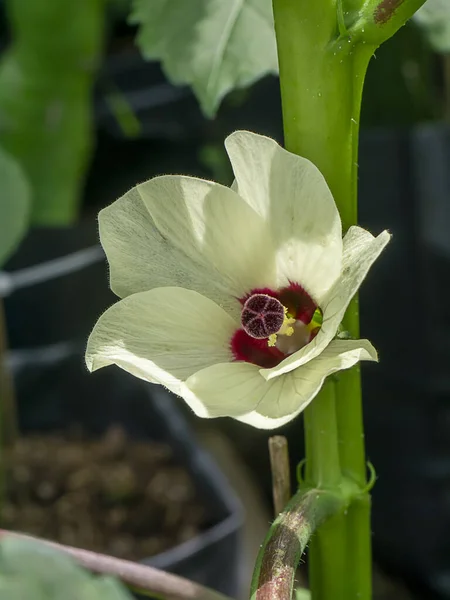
[[285, 329], [272, 340]]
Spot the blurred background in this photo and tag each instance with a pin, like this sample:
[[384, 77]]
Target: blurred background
[[109, 463]]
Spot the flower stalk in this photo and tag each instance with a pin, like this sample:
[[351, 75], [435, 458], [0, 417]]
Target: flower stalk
[[321, 93], [324, 48]]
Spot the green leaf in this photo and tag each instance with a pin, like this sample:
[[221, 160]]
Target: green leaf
[[33, 571], [434, 19], [14, 204], [46, 78], [212, 45]]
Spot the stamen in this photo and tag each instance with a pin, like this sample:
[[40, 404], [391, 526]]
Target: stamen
[[285, 329], [272, 341]]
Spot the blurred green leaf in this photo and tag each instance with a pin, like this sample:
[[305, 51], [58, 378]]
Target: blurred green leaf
[[14, 205], [212, 45], [434, 19], [33, 571], [46, 79]]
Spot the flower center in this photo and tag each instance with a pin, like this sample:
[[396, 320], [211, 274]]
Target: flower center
[[262, 316], [274, 325]]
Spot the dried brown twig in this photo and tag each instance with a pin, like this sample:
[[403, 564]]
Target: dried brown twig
[[281, 477]]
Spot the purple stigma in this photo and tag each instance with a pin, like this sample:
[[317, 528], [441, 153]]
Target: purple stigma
[[262, 315]]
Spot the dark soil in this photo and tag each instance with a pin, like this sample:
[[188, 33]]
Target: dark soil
[[112, 495]]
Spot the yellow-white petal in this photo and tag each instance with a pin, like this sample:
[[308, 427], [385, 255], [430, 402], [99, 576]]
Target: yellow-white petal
[[238, 390], [228, 389], [214, 227], [163, 335], [142, 258], [361, 249], [290, 193], [298, 388]]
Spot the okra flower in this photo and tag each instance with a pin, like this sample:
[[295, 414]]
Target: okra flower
[[232, 298]]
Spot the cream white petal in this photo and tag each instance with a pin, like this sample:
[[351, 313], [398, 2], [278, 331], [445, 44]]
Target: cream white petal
[[238, 390], [141, 258], [290, 193], [214, 227], [228, 389], [163, 335], [361, 249], [291, 393]]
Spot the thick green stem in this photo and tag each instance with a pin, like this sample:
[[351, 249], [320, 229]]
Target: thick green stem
[[321, 78], [320, 87], [321, 437], [323, 470], [324, 47]]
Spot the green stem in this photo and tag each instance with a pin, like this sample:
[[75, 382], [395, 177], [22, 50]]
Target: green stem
[[321, 78], [378, 20], [323, 470], [324, 48], [321, 439]]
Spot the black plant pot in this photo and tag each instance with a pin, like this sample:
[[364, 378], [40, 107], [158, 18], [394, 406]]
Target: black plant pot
[[58, 287], [405, 187], [55, 287], [59, 394]]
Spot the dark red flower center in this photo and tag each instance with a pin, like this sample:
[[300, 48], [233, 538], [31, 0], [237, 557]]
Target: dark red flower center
[[263, 314]]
